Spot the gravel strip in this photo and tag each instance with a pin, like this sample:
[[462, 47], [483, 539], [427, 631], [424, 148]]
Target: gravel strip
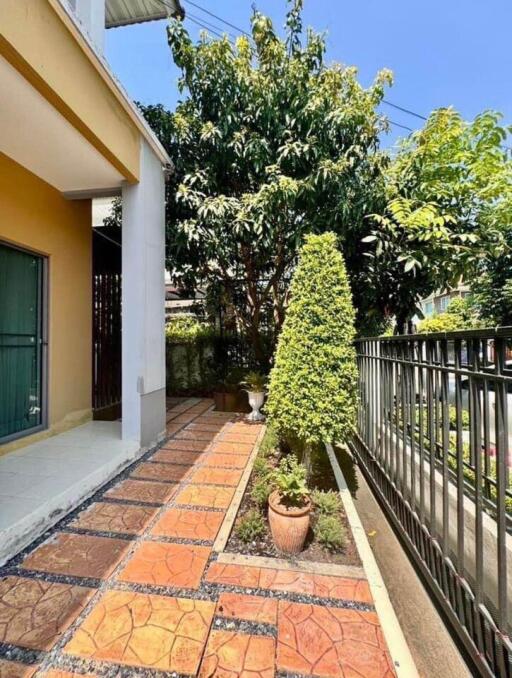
[[244, 626]]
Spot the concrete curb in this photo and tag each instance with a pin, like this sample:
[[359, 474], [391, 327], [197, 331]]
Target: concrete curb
[[395, 639]]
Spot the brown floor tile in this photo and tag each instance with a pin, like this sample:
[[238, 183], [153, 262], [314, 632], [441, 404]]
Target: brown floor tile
[[121, 518], [35, 613], [141, 490], [232, 448], [151, 631], [216, 476], [233, 437], [212, 427], [188, 524], [323, 586], [323, 641], [77, 555], [225, 460], [251, 608], [16, 670], [186, 445], [178, 457], [206, 436], [237, 655], [162, 564], [172, 427], [205, 495], [166, 472]]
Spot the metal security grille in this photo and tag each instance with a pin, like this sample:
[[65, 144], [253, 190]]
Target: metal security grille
[[434, 438]]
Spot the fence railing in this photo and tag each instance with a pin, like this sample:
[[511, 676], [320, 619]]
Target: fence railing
[[434, 437]]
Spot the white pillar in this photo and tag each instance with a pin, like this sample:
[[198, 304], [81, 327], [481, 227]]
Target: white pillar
[[91, 14], [143, 314]]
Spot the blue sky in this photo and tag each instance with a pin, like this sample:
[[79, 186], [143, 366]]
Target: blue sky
[[442, 52]]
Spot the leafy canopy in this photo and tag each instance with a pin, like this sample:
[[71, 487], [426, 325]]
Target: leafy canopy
[[449, 203], [269, 143], [312, 391]]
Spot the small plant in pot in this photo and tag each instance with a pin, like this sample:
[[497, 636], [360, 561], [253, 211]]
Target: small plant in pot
[[254, 384], [289, 506]]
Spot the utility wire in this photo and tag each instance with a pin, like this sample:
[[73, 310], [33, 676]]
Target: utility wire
[[404, 110], [208, 24], [201, 25], [215, 16]]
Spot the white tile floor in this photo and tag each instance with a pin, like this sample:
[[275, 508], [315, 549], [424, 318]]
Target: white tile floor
[[42, 482]]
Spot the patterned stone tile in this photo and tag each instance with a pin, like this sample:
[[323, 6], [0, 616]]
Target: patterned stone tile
[[136, 629], [58, 673], [232, 448], [35, 613], [323, 641], [216, 476], [188, 524], [178, 457], [251, 608], [323, 586], [162, 564], [166, 472], [225, 460], [172, 427], [141, 490], [77, 555], [233, 655], [15, 670], [121, 518], [186, 445], [205, 495]]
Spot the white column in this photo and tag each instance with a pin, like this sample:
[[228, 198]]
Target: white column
[[143, 300], [91, 14]]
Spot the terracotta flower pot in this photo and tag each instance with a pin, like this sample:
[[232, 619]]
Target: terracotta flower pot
[[289, 524]]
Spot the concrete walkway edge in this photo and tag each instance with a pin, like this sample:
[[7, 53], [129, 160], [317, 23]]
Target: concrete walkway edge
[[399, 650]]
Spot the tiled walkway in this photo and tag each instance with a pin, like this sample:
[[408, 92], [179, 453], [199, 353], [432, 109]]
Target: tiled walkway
[[128, 585]]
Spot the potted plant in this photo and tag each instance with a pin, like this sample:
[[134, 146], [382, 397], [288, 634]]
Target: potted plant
[[255, 386], [289, 506], [227, 393]]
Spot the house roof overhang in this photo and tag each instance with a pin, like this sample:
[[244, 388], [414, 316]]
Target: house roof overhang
[[66, 119], [127, 12]]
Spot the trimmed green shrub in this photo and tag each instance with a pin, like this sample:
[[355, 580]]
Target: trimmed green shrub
[[185, 329], [313, 385], [326, 503], [250, 526], [464, 414], [330, 533], [459, 315]]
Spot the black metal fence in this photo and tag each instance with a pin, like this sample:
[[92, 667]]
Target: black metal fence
[[434, 438]]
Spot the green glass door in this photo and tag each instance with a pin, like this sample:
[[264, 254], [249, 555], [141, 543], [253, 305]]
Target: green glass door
[[21, 342]]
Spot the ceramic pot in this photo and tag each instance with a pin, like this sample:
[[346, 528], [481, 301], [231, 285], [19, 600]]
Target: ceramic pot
[[289, 525], [256, 400]]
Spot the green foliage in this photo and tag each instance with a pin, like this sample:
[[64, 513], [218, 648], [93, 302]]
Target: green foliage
[[290, 480], [461, 314], [326, 503], [269, 142], [261, 468], [270, 443], [492, 287], [449, 202], [313, 385], [186, 329], [330, 532], [261, 491], [464, 417], [251, 526], [255, 381]]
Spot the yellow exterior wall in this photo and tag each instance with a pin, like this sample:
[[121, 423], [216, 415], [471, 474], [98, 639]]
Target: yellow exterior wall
[[35, 39], [36, 216]]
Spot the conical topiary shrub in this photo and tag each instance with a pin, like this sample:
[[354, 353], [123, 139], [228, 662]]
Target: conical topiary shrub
[[313, 385]]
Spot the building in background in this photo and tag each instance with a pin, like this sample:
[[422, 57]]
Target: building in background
[[438, 302]]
